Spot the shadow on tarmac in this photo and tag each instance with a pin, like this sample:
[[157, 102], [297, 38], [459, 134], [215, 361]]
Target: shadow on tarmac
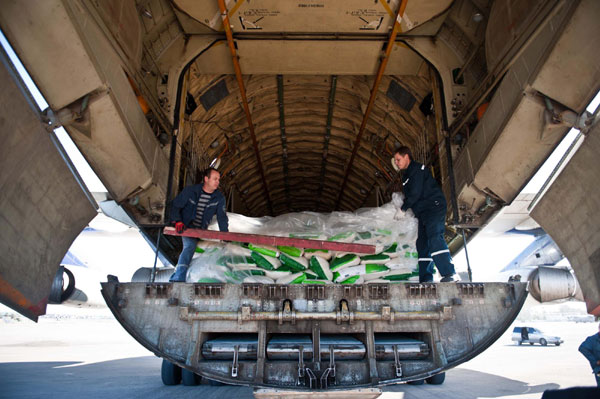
[[139, 377], [471, 384]]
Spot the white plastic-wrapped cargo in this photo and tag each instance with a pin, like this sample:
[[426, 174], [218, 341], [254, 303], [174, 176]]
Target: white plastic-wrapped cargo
[[393, 234]]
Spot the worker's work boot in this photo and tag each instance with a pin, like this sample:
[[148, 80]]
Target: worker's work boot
[[179, 275], [453, 278]]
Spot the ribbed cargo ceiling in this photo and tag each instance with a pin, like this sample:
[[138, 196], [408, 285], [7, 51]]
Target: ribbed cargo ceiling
[[306, 126], [309, 68]]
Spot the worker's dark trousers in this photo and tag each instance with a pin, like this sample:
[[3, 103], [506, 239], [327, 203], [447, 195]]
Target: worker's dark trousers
[[431, 245]]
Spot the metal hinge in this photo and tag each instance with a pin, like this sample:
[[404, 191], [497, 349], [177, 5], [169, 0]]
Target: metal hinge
[[287, 314], [398, 365], [344, 314], [234, 366], [329, 371]]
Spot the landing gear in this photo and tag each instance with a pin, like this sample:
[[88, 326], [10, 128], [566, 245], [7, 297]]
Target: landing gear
[[189, 378], [437, 379], [170, 373]]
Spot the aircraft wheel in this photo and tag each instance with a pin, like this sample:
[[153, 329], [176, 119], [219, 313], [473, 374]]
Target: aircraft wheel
[[170, 373], [416, 382], [543, 342], [189, 378], [437, 379]]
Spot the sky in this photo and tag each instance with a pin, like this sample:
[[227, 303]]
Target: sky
[[487, 255]]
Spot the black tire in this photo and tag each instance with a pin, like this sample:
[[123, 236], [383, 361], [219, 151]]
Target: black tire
[[437, 379], [416, 382], [557, 344], [170, 373], [531, 343], [70, 287], [189, 378], [543, 342]]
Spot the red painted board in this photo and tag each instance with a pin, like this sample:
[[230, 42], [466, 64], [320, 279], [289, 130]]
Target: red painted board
[[274, 240]]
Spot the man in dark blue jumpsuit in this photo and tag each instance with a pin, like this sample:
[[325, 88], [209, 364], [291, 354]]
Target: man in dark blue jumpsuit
[[590, 348], [195, 207], [424, 196]]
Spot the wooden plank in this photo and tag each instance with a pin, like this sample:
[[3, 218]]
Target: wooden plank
[[274, 240]]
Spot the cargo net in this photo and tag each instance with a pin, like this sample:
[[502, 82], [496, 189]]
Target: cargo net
[[391, 231]]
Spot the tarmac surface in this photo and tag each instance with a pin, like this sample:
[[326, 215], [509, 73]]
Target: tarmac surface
[[91, 356]]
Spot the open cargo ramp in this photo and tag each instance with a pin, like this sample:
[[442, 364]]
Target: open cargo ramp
[[315, 337]]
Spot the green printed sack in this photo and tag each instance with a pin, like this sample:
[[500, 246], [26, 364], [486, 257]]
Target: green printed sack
[[209, 280], [240, 262], [400, 268], [357, 279], [266, 262], [321, 267], [296, 278], [291, 251], [399, 276], [233, 249], [321, 253], [310, 275], [363, 235], [345, 261], [347, 236], [265, 250], [258, 280], [295, 263], [243, 266], [368, 272], [277, 274], [308, 236], [391, 250], [374, 259]]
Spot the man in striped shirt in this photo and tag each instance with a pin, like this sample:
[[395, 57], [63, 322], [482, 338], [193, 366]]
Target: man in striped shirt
[[423, 195], [195, 207]]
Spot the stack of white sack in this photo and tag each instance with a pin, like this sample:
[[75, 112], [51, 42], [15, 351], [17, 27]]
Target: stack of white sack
[[392, 233]]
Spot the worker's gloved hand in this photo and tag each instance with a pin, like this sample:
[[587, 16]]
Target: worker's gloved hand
[[179, 227], [399, 214]]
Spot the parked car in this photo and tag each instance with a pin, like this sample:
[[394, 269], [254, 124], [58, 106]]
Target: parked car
[[530, 335]]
